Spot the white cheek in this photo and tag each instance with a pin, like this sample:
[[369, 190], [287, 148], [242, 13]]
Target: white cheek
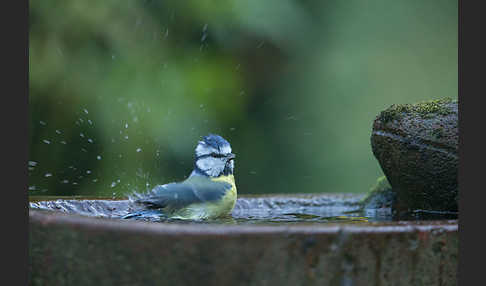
[[205, 163], [212, 166]]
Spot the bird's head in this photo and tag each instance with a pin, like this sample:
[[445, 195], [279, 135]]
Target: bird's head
[[214, 157]]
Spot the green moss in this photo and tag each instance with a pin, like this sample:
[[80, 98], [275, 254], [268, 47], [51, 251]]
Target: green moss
[[380, 195], [427, 109], [381, 185]]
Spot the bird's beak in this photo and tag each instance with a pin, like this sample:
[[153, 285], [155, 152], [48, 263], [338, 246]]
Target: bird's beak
[[230, 156]]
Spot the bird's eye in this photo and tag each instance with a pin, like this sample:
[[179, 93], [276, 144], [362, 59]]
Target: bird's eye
[[217, 155]]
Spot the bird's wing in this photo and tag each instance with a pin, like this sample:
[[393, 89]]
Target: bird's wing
[[196, 189]]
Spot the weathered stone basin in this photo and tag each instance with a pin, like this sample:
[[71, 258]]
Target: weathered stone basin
[[82, 244]]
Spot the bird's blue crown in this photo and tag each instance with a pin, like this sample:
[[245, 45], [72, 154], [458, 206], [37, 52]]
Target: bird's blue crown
[[215, 141]]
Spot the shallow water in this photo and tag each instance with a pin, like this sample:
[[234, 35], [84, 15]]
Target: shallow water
[[266, 209]]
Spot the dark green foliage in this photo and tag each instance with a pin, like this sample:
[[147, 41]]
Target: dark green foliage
[[120, 91]]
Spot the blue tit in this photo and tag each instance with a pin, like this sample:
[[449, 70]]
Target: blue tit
[[209, 192]]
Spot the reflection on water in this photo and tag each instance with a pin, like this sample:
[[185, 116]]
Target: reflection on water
[[280, 209]]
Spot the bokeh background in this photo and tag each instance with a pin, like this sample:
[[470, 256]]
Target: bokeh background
[[121, 91]]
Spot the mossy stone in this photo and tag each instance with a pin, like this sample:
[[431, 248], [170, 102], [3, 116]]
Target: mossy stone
[[416, 146]]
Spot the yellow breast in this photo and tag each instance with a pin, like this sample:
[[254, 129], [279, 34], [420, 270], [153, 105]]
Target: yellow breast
[[206, 210], [229, 200]]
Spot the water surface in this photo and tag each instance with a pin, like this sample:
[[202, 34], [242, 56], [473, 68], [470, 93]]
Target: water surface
[[262, 209]]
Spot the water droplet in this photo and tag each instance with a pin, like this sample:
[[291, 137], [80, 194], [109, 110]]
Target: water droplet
[[139, 149], [58, 131], [81, 134], [42, 123], [95, 180], [46, 141], [113, 184], [126, 125], [232, 129], [85, 111], [32, 188], [88, 172], [90, 140], [98, 157], [32, 163], [90, 122], [334, 247], [48, 175], [63, 142], [65, 181]]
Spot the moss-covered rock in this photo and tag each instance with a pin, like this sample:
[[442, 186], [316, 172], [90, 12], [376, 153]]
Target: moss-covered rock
[[417, 148], [427, 110]]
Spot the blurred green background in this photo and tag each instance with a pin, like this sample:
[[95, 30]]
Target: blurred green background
[[120, 91]]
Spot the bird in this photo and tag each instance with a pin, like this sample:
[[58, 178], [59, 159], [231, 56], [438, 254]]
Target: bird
[[209, 192]]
